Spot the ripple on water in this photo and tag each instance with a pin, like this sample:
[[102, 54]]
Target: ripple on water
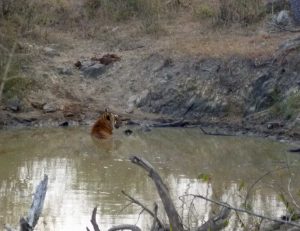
[[83, 174]]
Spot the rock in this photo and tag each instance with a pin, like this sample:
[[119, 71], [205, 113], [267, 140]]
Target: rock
[[71, 110], [274, 125], [128, 132], [27, 117], [50, 52], [142, 99], [93, 70], [64, 71], [131, 103], [64, 124], [37, 104], [14, 105], [78, 64], [295, 8], [283, 18], [49, 108], [130, 109]]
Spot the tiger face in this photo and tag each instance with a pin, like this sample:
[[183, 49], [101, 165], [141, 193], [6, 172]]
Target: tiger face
[[113, 119]]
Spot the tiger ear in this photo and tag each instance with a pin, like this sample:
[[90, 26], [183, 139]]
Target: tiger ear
[[106, 110]]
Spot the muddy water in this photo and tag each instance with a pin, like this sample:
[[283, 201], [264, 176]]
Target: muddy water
[[84, 173]]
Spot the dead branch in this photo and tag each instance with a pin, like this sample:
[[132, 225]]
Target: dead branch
[[179, 123], [93, 220], [280, 221], [122, 227], [144, 208], [173, 216], [28, 223], [294, 150], [115, 228], [217, 222], [153, 227]]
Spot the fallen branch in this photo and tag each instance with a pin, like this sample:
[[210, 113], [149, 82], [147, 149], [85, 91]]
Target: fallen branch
[[28, 223], [173, 216], [294, 150], [245, 211], [153, 227], [144, 208], [217, 222], [179, 123], [93, 220], [122, 227]]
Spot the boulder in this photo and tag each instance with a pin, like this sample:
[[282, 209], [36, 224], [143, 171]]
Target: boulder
[[49, 108], [295, 8], [50, 52], [283, 18], [92, 70], [64, 71], [14, 105]]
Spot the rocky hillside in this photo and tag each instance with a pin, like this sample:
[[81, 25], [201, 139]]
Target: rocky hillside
[[232, 77]]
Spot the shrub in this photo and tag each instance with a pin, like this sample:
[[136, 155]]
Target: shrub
[[241, 11], [289, 107], [203, 11]]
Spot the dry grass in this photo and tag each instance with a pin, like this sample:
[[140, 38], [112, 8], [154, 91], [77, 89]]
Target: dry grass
[[203, 40]]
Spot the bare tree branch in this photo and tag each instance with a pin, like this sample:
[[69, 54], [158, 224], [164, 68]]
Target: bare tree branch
[[245, 211], [28, 223], [121, 227], [135, 201], [153, 227], [93, 220], [174, 218], [217, 222]]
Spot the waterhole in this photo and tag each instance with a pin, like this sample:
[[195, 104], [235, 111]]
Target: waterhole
[[84, 173]]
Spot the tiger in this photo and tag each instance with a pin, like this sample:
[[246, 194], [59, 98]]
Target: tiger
[[105, 124]]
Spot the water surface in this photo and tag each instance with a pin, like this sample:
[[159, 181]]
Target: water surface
[[84, 173]]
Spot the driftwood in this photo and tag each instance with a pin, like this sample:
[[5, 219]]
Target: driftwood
[[294, 150], [178, 123], [217, 222], [173, 216], [115, 228], [135, 201], [127, 227], [29, 223]]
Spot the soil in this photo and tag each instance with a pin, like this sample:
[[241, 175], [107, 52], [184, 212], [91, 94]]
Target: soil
[[227, 81]]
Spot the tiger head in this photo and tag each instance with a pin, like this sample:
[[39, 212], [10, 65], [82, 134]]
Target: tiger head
[[113, 119]]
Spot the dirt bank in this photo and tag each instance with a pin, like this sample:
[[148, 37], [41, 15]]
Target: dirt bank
[[231, 82]]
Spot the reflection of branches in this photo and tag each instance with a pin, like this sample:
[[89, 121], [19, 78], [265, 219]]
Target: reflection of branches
[[259, 179], [245, 211], [290, 181]]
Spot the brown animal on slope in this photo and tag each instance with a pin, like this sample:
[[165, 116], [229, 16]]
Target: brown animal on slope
[[107, 59], [103, 128]]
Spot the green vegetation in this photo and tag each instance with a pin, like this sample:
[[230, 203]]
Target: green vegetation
[[205, 177], [287, 108], [204, 11]]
